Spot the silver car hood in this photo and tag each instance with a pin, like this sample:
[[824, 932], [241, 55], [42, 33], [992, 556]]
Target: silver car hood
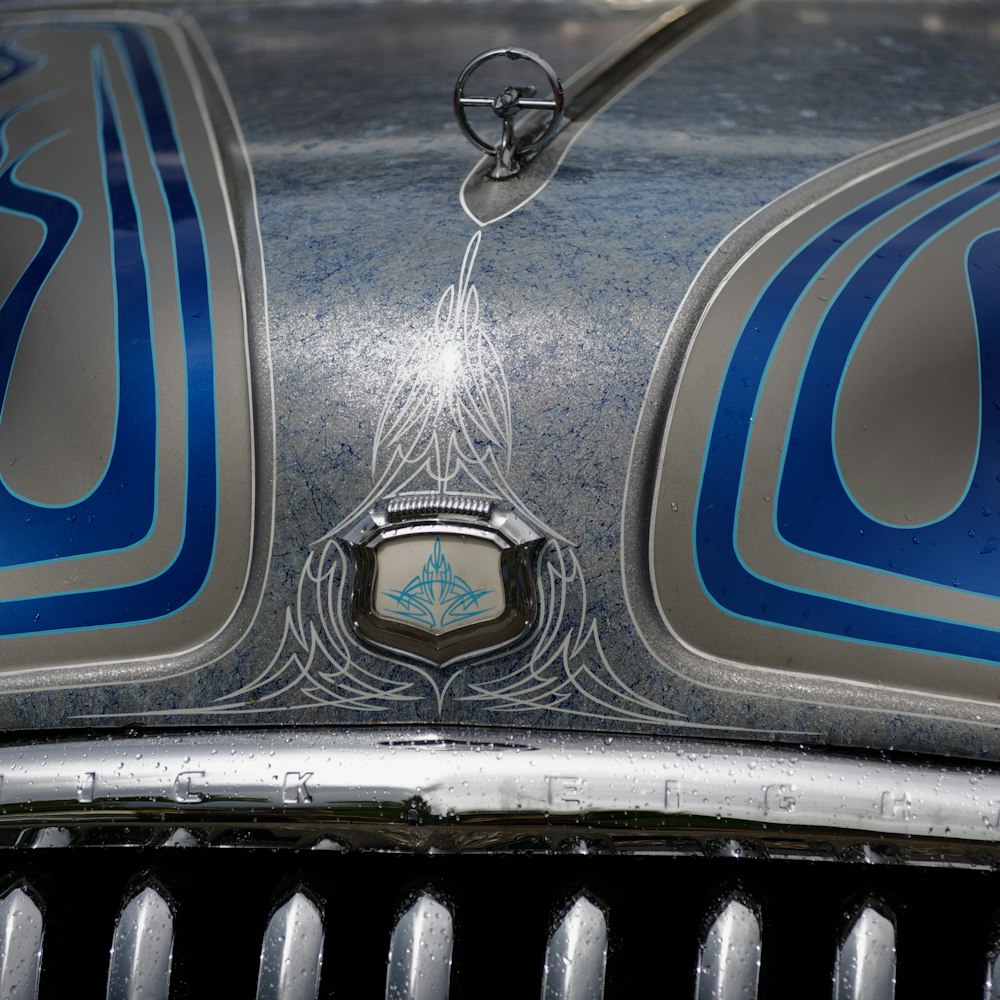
[[574, 367]]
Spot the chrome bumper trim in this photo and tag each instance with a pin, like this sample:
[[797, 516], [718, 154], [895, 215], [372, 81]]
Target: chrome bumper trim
[[436, 788]]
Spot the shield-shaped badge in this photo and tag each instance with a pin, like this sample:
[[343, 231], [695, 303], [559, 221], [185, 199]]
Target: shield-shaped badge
[[442, 578]]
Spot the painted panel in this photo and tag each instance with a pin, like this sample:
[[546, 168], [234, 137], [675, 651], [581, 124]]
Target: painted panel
[[126, 419], [827, 507]]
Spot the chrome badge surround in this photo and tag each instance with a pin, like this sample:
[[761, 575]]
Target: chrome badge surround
[[466, 589]]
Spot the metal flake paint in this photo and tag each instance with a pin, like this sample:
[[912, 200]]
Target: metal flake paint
[[364, 232]]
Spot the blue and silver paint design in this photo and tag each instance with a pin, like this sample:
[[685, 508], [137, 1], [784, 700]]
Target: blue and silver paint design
[[100, 93], [847, 266], [363, 231]]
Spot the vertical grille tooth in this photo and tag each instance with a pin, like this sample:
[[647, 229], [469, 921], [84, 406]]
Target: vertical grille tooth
[[53, 836], [181, 838], [991, 990], [21, 930], [420, 953], [142, 949], [729, 960], [291, 956], [866, 964], [577, 954]]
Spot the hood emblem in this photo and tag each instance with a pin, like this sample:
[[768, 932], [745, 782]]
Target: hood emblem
[[511, 153], [442, 578]]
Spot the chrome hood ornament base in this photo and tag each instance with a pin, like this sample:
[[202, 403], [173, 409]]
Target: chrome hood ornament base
[[510, 153]]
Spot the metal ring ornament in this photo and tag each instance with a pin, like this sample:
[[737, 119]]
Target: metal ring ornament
[[506, 109]]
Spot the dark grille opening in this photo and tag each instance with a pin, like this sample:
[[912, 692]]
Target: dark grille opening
[[504, 908]]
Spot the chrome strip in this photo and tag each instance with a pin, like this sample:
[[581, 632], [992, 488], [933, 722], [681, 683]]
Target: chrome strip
[[419, 965], [729, 960], [866, 963], [142, 950], [21, 929], [406, 783], [577, 954], [291, 957]]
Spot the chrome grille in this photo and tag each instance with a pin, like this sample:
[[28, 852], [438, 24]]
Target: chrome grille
[[293, 924]]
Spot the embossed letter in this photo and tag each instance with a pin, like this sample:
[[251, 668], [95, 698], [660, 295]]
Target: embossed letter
[[294, 790], [85, 787], [564, 792], [672, 796], [896, 806], [182, 787], [779, 798]]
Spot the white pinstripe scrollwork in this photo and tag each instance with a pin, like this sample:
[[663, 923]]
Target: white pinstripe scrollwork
[[446, 428]]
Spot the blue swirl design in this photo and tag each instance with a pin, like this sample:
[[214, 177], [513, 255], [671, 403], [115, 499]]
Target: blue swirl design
[[121, 510], [947, 555], [834, 525], [118, 512], [437, 598], [14, 62]]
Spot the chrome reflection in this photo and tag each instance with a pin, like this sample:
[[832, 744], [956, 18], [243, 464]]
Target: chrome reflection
[[991, 990], [291, 956], [21, 929], [866, 963], [577, 954], [52, 836], [420, 953], [272, 778], [729, 960], [142, 950]]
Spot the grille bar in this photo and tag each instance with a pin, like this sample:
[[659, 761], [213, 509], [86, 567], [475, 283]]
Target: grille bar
[[866, 964], [291, 957], [577, 955], [992, 989], [420, 953], [21, 929], [729, 959], [563, 926], [142, 949]]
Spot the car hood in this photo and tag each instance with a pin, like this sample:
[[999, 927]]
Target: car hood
[[573, 367]]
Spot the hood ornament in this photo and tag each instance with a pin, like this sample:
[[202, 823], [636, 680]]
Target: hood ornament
[[442, 578], [511, 153]]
